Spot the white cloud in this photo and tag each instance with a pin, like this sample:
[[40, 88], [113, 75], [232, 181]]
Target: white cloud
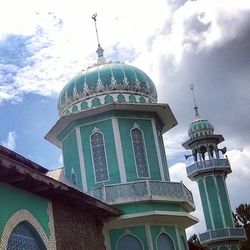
[[237, 183], [68, 32], [10, 141]]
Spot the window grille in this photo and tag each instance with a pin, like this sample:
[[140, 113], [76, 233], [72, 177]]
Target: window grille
[[164, 242], [99, 156], [139, 153], [25, 237], [129, 242]]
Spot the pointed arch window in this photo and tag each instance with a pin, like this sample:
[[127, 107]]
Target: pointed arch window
[[129, 241], [139, 152], [164, 242], [24, 236], [99, 156]]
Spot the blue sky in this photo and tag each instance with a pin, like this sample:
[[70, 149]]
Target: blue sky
[[177, 43]]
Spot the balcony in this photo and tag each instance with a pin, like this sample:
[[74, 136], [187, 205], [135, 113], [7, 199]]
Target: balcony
[[223, 234], [145, 190], [208, 165]]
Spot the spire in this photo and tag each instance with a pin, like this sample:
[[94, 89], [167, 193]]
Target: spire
[[195, 106], [99, 51]]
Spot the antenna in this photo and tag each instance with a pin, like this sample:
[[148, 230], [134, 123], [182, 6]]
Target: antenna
[[94, 18], [99, 51], [195, 106]]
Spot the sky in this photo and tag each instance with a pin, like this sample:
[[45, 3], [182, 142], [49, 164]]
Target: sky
[[44, 44]]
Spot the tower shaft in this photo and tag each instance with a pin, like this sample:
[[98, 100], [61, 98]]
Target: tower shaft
[[210, 169]]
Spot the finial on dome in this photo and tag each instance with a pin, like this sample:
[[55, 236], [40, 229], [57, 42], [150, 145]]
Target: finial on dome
[[99, 51], [195, 106]]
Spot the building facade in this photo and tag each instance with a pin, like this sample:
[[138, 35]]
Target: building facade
[[114, 191], [110, 132], [38, 212]]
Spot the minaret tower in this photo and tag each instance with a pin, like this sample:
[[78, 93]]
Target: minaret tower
[[209, 169]]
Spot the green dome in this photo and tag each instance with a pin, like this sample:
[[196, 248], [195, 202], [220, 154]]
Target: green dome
[[200, 127], [106, 83]]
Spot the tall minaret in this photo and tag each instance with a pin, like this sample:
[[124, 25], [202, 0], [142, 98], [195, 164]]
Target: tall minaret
[[209, 169]]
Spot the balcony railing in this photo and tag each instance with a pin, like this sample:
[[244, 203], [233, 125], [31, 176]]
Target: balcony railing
[[144, 190], [208, 164], [220, 234]]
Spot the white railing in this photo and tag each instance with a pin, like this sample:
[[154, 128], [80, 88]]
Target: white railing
[[143, 190], [222, 233], [212, 163]]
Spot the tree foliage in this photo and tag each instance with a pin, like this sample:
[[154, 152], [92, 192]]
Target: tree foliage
[[242, 219], [194, 239], [194, 242]]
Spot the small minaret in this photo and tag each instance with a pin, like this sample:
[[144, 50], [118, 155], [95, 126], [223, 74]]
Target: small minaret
[[99, 51], [209, 169]]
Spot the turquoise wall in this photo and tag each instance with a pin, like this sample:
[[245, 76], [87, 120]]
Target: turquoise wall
[[169, 230], [149, 206], [224, 201], [71, 157], [163, 155], [205, 204], [214, 202], [103, 122], [107, 130], [125, 126], [14, 199], [138, 231]]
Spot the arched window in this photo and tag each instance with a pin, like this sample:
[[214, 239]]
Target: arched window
[[24, 236], [73, 178], [99, 156], [130, 242], [139, 152], [224, 248], [164, 242]]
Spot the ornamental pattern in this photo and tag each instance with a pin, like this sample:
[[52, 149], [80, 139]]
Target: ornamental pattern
[[99, 156], [23, 237], [109, 81], [140, 153], [200, 128], [105, 99], [142, 190]]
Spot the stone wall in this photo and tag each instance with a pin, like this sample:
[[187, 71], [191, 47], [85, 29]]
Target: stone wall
[[76, 230]]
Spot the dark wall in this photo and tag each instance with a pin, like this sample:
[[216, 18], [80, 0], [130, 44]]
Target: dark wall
[[76, 230]]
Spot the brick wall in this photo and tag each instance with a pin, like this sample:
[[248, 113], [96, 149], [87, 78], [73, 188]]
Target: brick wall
[[76, 230]]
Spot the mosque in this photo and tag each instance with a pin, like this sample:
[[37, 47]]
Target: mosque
[[114, 191]]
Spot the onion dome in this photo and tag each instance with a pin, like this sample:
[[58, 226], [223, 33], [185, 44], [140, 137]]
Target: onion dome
[[105, 83], [200, 127]]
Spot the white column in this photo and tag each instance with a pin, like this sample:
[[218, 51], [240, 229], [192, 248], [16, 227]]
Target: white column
[[149, 238], [178, 237], [81, 159], [157, 149], [118, 148]]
